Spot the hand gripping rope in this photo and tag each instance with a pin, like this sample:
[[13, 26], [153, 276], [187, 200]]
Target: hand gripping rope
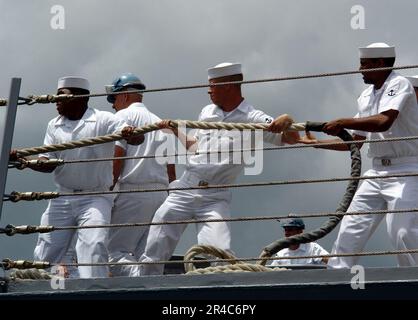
[[342, 207], [268, 251]]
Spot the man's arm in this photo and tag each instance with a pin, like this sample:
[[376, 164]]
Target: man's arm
[[39, 166], [128, 135], [280, 124], [309, 138], [377, 123], [188, 141], [117, 164], [171, 172], [290, 137]]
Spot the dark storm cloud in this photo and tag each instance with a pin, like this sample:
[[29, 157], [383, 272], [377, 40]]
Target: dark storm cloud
[[172, 43]]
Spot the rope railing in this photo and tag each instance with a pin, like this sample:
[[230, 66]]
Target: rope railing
[[190, 124], [21, 101], [11, 230], [148, 128], [31, 196], [26, 264], [82, 143], [24, 163], [51, 98]]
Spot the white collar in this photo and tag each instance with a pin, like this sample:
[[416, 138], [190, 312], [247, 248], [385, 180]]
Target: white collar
[[302, 247], [88, 116], [243, 107]]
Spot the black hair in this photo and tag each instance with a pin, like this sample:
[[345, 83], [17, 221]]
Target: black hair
[[78, 91], [388, 62]]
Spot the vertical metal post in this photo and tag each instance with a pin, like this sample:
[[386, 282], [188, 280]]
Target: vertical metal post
[[8, 135]]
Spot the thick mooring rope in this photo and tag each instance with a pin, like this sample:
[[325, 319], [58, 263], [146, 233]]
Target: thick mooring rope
[[148, 128], [327, 227]]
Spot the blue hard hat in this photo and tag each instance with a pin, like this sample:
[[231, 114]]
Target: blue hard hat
[[294, 223], [126, 80]]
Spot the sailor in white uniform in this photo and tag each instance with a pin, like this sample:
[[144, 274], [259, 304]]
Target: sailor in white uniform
[[293, 227], [228, 106], [128, 244], [78, 121], [386, 109]]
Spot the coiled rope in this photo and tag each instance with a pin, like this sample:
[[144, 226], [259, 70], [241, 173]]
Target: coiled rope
[[234, 266]]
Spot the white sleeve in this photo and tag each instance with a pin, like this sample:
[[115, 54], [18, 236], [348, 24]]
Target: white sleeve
[[48, 140], [396, 95], [169, 143], [317, 251], [269, 137], [275, 263], [199, 118], [115, 124]]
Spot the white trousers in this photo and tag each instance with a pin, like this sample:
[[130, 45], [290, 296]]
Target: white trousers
[[91, 244], [184, 205], [381, 194], [128, 244], [71, 257]]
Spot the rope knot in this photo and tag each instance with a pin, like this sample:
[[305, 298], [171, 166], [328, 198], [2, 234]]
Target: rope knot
[[10, 230], [31, 196], [21, 163], [48, 98]]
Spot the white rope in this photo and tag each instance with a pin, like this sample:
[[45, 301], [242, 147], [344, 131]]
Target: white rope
[[34, 162]]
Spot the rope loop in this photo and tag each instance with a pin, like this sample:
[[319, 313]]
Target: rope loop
[[31, 196], [206, 249]]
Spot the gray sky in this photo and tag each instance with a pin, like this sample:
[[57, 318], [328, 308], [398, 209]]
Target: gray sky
[[172, 43]]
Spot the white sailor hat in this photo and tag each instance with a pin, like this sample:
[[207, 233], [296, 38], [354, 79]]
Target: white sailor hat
[[413, 80], [224, 69], [73, 82], [377, 50]]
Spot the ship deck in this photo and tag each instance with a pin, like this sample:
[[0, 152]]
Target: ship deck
[[380, 283]]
